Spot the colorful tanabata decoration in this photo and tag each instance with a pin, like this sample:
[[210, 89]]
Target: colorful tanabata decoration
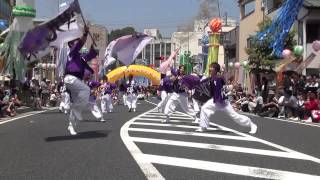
[[281, 25], [185, 59], [12, 61], [214, 38], [215, 25]]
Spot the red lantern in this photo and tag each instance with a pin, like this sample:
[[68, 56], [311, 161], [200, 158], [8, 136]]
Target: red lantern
[[215, 25]]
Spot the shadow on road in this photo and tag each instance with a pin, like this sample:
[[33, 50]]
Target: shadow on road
[[81, 135]]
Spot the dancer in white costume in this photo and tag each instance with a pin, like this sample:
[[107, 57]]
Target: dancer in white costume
[[74, 73], [122, 92], [65, 98], [94, 85], [132, 90], [179, 96], [166, 89], [106, 99], [220, 102]]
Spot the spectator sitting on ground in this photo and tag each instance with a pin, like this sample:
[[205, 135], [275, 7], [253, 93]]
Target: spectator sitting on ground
[[291, 107], [311, 104], [17, 102], [270, 109], [281, 103]]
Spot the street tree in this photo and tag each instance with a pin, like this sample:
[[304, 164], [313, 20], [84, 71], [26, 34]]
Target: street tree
[[115, 34]]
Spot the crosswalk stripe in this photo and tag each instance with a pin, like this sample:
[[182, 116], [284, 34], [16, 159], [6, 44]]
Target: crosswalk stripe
[[171, 125], [191, 134], [171, 117], [159, 120], [218, 147], [305, 156], [226, 168], [175, 114]]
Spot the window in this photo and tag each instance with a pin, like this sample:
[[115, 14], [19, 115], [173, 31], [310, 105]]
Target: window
[[313, 32], [249, 42], [249, 8]]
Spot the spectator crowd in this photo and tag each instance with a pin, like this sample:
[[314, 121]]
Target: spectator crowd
[[297, 99]]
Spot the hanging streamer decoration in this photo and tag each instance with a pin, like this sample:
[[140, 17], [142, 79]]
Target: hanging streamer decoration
[[281, 25], [24, 11]]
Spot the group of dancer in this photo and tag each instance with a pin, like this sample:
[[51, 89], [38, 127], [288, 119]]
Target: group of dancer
[[79, 92], [176, 88]]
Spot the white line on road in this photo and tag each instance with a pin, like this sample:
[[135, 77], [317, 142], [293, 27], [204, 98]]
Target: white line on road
[[227, 168], [160, 120], [190, 134], [20, 117], [171, 117], [161, 114], [218, 147], [171, 125], [304, 156], [147, 168]]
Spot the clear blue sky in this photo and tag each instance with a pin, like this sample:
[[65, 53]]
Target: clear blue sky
[[165, 15]]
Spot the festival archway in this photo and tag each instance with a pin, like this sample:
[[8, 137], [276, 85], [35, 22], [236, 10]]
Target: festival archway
[[135, 70]]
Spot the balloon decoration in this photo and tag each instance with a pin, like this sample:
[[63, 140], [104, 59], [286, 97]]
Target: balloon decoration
[[286, 54], [230, 64], [316, 46], [215, 25], [298, 50], [135, 70], [237, 65]]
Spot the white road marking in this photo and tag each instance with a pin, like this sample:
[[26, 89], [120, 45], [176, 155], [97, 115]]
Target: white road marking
[[147, 168], [171, 117], [27, 115], [171, 125], [145, 160], [307, 157], [160, 120], [227, 168], [283, 120], [190, 134], [218, 147]]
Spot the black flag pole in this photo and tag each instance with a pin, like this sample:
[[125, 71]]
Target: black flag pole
[[84, 21]]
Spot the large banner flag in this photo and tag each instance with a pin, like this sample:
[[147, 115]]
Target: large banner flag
[[40, 37], [126, 48], [166, 66]]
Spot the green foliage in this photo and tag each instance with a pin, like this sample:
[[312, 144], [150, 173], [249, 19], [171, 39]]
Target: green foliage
[[114, 34], [259, 51]]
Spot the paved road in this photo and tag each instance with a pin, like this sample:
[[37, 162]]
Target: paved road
[[39, 147]]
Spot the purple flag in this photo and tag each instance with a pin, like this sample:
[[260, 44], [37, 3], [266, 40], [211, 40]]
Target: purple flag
[[127, 48], [39, 38]]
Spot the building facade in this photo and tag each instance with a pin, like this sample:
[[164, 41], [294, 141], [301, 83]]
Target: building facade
[[158, 47]]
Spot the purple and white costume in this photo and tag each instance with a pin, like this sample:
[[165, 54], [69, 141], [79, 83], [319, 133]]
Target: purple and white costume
[[93, 100], [65, 98], [132, 90], [166, 89], [179, 96], [74, 73], [220, 102], [106, 99]]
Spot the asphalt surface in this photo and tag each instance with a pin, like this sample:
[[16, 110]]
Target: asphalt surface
[[40, 147]]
